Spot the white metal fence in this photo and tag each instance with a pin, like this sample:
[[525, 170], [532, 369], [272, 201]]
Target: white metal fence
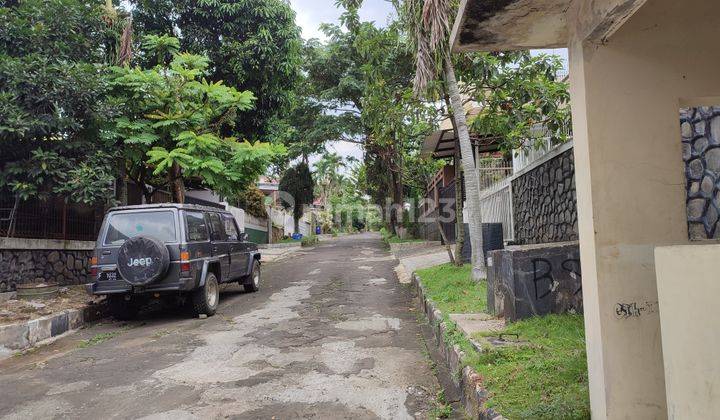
[[493, 177], [492, 171], [535, 148], [496, 207]]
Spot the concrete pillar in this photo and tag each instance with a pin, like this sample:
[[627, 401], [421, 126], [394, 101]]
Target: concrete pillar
[[626, 94]]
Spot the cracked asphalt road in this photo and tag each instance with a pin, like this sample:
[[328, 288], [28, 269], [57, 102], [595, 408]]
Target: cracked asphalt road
[[331, 334]]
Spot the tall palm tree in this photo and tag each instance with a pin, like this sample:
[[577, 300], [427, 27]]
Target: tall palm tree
[[328, 176], [428, 22]]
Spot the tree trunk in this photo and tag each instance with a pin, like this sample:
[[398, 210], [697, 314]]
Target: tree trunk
[[453, 258], [469, 171], [122, 190], [459, 222], [177, 186], [148, 194], [397, 194]]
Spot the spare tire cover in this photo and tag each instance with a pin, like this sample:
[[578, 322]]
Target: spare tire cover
[[142, 260]]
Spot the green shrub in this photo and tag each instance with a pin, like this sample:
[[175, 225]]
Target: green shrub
[[252, 200], [309, 240]]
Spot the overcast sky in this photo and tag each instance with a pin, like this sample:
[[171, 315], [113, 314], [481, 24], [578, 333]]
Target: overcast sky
[[311, 13]]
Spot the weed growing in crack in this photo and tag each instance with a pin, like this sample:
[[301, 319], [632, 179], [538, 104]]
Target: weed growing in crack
[[102, 337]]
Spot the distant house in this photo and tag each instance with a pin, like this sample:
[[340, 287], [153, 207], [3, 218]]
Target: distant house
[[271, 188], [439, 200]]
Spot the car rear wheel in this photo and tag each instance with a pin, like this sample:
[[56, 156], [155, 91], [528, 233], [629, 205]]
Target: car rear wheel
[[252, 282], [205, 300]]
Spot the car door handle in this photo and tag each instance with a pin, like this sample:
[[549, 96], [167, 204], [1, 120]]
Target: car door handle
[[215, 248], [106, 253]]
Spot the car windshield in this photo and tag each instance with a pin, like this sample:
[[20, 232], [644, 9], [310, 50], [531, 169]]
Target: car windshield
[[158, 224]]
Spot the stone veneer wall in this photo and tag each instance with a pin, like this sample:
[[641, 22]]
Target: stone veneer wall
[[62, 266], [544, 202], [701, 154]]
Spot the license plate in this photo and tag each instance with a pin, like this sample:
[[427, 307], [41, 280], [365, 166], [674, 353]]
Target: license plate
[[109, 276]]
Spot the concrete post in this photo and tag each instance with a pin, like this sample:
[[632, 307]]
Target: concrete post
[[626, 93]]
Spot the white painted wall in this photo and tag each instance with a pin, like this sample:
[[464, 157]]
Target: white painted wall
[[239, 215]]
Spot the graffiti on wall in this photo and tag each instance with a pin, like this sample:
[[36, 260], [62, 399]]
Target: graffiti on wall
[[535, 281], [544, 281], [635, 309]]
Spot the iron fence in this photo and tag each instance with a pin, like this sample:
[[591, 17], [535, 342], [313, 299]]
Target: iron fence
[[50, 219], [492, 171]]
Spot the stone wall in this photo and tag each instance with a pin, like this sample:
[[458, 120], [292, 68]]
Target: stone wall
[[544, 202], [20, 265], [701, 154], [533, 280]]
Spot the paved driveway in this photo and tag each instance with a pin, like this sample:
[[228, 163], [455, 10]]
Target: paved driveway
[[331, 334]]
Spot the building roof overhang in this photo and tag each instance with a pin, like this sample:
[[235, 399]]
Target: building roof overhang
[[268, 186], [502, 25], [441, 144]]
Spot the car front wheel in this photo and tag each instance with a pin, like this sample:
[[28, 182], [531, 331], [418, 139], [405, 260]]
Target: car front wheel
[[252, 283], [205, 300]]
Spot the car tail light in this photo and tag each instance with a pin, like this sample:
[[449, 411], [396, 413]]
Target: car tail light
[[93, 267], [185, 261]]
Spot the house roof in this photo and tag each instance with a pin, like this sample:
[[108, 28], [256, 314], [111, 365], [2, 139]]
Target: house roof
[[501, 25], [441, 143]]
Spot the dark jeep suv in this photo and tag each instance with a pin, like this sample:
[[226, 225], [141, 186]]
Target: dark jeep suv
[[175, 250]]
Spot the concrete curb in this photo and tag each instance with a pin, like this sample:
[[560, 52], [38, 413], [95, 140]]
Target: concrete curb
[[24, 335], [466, 380]]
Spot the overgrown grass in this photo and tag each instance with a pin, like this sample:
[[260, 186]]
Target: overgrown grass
[[453, 290], [396, 240], [288, 241], [547, 379], [389, 238]]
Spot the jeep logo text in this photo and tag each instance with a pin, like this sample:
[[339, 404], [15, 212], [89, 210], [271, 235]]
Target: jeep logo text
[[140, 262]]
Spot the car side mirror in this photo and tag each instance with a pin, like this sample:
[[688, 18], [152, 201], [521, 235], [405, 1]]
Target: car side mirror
[[243, 237]]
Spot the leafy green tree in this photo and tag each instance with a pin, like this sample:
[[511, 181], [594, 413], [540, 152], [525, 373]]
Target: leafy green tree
[[251, 45], [171, 124], [52, 97], [518, 93], [362, 76], [395, 119], [297, 183]]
